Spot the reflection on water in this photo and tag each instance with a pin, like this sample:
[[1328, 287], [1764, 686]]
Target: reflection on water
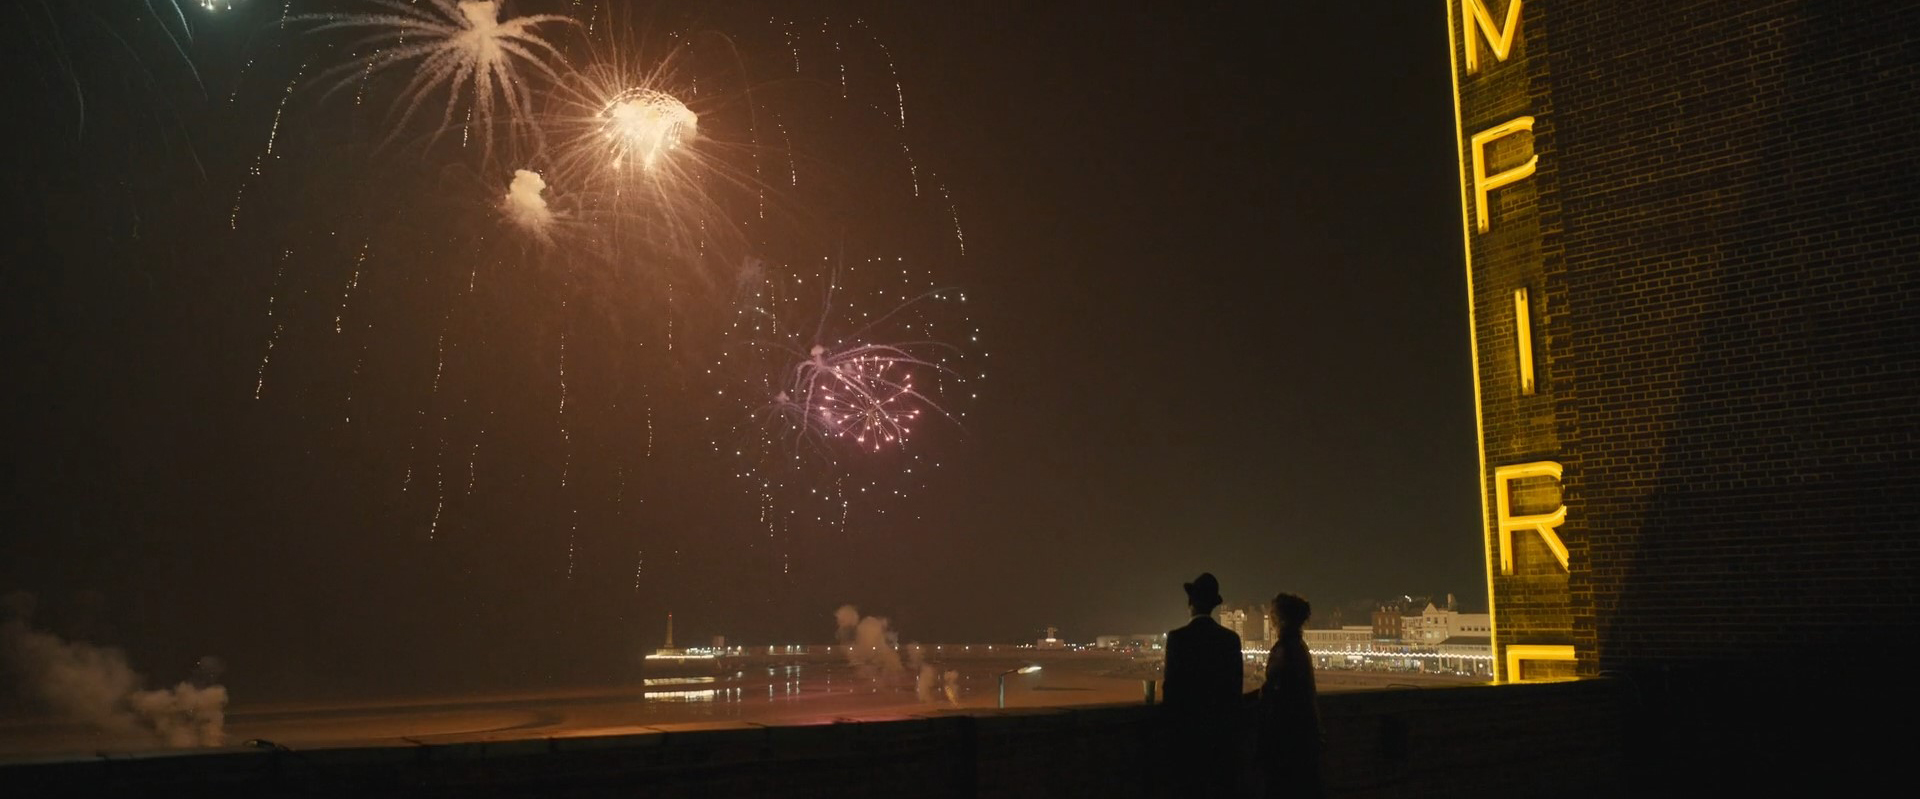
[[731, 686], [693, 695], [728, 688], [731, 689]]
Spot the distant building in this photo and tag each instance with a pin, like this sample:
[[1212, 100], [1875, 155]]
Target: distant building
[[1357, 647], [1387, 623], [1433, 625], [668, 651], [1235, 620], [1466, 654], [1343, 648], [1252, 623], [1342, 638], [1052, 641]]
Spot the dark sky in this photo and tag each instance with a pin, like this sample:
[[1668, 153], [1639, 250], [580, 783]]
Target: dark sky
[[1212, 250]]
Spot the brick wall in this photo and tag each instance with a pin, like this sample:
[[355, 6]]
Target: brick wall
[[1520, 249], [1723, 240], [1741, 363]]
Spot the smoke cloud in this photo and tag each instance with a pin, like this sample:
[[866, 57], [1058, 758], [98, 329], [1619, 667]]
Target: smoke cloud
[[524, 205], [931, 684], [872, 645], [94, 685], [934, 685], [873, 650]]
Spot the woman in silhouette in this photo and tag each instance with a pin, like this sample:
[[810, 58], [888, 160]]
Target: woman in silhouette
[[1289, 718]]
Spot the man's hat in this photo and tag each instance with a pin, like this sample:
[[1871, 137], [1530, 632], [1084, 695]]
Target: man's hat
[[1204, 591]]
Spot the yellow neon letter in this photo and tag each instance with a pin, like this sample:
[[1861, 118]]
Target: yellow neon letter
[[1523, 328], [1503, 477], [1482, 22], [1482, 183], [1516, 653]]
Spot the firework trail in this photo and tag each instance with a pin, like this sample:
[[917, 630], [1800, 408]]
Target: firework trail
[[566, 458], [259, 166], [179, 47], [279, 326], [439, 485], [462, 47], [346, 293]]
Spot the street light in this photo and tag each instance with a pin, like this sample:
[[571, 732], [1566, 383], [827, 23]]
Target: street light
[[1003, 680]]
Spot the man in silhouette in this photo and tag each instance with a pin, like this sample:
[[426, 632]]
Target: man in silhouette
[[1202, 696]]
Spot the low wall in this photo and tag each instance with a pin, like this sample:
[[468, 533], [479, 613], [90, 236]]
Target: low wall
[[1563, 738]]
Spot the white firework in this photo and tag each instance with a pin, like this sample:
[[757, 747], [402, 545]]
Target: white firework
[[642, 125], [462, 46], [632, 150]]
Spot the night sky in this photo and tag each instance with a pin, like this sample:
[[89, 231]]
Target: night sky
[[1212, 250]]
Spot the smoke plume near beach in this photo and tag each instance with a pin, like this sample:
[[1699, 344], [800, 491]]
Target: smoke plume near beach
[[94, 685]]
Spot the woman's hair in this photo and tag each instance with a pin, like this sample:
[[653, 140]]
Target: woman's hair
[[1294, 610]]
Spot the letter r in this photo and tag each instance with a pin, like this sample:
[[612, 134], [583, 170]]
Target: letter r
[[1503, 477]]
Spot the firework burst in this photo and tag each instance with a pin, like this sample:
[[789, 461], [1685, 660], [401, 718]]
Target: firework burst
[[863, 393], [461, 46], [855, 369], [850, 366], [642, 166], [632, 143], [642, 126]]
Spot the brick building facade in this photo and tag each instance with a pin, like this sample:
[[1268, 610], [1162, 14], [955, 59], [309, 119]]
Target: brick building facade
[[1709, 207], [1693, 257]]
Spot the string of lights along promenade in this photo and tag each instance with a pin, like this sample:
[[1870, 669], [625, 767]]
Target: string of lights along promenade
[[1690, 262]]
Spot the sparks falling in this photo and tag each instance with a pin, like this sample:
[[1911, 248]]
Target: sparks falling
[[463, 47], [648, 167]]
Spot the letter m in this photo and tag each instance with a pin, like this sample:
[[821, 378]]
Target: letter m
[[1479, 21]]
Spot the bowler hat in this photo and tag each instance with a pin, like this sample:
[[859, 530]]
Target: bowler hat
[[1204, 591]]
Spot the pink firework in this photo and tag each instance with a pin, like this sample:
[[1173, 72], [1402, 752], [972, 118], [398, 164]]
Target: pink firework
[[864, 393]]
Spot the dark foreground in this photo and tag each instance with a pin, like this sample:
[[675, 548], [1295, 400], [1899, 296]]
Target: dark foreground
[[1653, 735], [1402, 742]]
